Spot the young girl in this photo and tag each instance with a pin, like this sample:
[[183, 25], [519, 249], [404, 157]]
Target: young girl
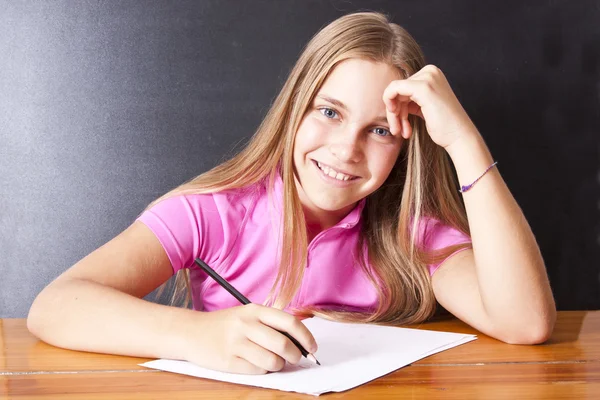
[[343, 205]]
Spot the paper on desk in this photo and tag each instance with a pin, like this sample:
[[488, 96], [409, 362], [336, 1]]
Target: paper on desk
[[350, 355]]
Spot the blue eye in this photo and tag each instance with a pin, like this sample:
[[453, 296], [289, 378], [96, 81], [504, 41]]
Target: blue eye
[[328, 112], [382, 132]]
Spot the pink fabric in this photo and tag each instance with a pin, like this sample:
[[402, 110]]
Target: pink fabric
[[238, 233]]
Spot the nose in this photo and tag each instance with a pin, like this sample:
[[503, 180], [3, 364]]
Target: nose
[[346, 145]]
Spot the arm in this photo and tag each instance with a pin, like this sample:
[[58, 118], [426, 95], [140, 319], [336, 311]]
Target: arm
[[500, 287], [96, 305]]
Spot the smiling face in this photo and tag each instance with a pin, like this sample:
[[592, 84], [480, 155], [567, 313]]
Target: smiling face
[[343, 150]]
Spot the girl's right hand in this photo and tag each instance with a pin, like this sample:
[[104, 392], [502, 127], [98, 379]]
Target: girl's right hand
[[245, 340]]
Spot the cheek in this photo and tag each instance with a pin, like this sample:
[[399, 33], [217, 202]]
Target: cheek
[[310, 136], [382, 162]]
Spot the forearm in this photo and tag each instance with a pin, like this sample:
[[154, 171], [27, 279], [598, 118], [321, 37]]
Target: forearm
[[87, 316], [512, 278]]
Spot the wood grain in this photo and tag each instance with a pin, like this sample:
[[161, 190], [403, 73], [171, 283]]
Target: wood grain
[[479, 381], [567, 366], [22, 352], [576, 337]]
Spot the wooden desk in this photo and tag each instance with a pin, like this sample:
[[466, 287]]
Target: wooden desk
[[566, 367]]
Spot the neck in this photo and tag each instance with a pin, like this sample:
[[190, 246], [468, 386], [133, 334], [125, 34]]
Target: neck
[[317, 219]]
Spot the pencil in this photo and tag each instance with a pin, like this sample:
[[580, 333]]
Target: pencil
[[242, 299]]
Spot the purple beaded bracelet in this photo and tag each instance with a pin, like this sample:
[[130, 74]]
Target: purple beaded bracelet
[[467, 187]]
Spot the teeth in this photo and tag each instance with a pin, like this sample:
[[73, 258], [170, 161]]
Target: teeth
[[332, 173]]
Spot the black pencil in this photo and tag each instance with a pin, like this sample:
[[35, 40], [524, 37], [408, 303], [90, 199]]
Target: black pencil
[[242, 299]]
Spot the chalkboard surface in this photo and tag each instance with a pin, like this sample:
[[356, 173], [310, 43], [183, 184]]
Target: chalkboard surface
[[104, 106]]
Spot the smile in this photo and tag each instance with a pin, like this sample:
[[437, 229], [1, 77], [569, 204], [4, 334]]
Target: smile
[[332, 173]]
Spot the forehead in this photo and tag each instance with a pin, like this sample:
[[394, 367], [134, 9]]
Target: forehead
[[359, 80]]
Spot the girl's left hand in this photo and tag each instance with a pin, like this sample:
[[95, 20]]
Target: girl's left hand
[[428, 95]]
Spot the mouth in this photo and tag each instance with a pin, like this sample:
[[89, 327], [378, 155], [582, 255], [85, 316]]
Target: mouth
[[334, 174]]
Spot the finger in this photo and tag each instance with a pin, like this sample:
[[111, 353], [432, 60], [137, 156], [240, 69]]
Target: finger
[[285, 322], [398, 121], [402, 119], [406, 129], [239, 365], [260, 357], [394, 122], [407, 90], [390, 102], [426, 72], [392, 98], [398, 106], [420, 74], [414, 109], [275, 342]]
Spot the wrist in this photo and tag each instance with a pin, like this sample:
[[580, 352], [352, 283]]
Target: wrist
[[468, 142], [177, 333], [470, 157]]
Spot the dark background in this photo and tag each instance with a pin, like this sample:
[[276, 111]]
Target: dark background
[[106, 105]]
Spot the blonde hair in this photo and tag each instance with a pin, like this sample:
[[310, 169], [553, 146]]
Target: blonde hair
[[421, 183]]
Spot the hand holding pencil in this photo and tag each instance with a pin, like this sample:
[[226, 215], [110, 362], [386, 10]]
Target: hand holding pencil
[[252, 339]]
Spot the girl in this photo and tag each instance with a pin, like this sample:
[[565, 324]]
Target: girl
[[343, 205]]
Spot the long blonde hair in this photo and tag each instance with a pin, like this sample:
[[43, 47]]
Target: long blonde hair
[[421, 183]]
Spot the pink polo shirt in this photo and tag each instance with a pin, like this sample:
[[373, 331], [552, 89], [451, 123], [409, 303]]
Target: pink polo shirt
[[238, 234]]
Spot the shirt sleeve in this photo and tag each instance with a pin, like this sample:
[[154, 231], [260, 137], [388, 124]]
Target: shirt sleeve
[[437, 235], [187, 226]]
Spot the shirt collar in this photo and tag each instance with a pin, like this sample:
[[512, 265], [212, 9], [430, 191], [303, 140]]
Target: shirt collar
[[349, 221]]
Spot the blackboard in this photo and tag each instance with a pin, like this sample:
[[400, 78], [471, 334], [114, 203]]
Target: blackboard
[[105, 106]]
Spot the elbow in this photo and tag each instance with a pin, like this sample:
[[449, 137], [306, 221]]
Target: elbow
[[534, 331], [35, 319], [529, 336], [33, 326], [41, 314]]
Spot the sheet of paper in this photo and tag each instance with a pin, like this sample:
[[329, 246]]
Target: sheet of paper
[[350, 355]]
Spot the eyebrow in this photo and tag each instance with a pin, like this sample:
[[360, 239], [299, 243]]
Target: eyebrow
[[337, 103]]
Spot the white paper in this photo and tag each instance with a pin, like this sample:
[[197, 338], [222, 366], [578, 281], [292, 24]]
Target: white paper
[[350, 355]]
